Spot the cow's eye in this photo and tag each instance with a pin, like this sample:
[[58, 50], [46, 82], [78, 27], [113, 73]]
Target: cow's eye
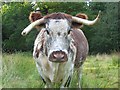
[[69, 31], [47, 32]]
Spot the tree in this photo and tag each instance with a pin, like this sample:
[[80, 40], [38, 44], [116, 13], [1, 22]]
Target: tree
[[14, 19], [102, 37], [105, 38]]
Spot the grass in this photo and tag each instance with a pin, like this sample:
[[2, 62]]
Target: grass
[[99, 71]]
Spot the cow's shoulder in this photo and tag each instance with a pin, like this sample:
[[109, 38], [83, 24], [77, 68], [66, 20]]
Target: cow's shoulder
[[39, 44], [81, 45]]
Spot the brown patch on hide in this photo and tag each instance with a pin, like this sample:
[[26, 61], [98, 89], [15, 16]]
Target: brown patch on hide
[[78, 39], [37, 51], [79, 25], [58, 16], [41, 49]]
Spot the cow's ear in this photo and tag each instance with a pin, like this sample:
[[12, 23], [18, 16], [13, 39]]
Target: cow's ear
[[35, 16], [79, 25]]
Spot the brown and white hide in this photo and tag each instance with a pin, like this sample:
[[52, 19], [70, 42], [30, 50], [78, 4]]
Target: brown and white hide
[[60, 46]]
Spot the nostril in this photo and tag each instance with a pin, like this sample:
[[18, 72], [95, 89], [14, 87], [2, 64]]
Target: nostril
[[58, 55]]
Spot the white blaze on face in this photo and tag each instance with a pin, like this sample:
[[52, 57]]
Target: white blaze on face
[[58, 29], [58, 25]]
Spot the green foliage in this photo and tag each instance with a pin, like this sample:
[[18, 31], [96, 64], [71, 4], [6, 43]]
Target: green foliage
[[102, 37], [105, 38], [14, 19], [99, 71], [72, 8]]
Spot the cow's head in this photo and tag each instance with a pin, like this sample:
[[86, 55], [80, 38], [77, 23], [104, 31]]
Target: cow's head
[[58, 29]]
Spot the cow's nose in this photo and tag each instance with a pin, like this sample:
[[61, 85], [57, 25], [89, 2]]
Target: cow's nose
[[58, 56]]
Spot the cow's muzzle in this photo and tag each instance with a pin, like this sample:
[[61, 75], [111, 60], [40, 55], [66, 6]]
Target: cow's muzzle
[[58, 56]]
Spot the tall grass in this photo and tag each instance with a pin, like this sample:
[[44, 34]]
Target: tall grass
[[101, 71], [19, 71]]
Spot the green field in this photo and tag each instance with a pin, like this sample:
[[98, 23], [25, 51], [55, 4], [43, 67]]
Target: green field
[[99, 71]]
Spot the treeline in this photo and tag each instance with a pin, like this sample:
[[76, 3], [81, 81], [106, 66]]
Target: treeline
[[103, 37]]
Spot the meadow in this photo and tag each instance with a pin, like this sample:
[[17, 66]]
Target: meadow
[[99, 71]]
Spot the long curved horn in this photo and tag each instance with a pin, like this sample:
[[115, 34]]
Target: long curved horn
[[84, 21], [31, 26]]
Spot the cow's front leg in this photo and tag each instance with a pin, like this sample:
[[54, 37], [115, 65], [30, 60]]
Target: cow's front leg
[[67, 83], [47, 83], [48, 86], [79, 76], [45, 80]]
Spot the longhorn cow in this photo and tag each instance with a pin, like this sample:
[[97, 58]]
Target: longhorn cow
[[60, 46]]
